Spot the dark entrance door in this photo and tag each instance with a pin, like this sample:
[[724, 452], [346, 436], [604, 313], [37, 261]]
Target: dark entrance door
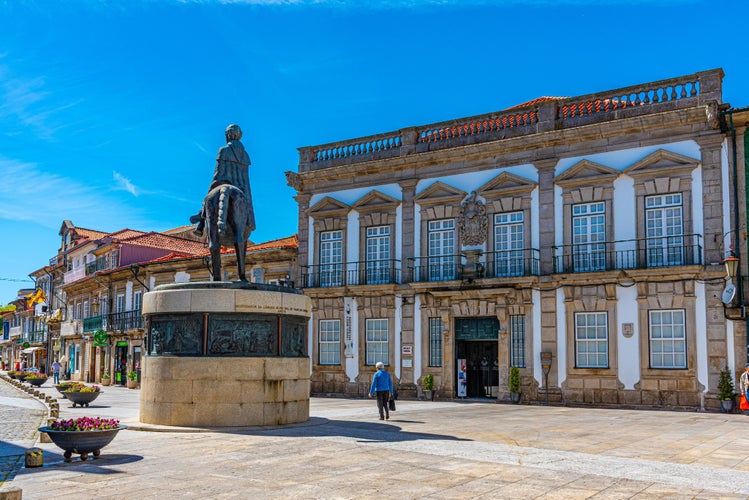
[[476, 342], [120, 364]]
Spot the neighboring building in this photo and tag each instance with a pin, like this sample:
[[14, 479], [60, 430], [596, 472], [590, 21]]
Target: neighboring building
[[589, 229]]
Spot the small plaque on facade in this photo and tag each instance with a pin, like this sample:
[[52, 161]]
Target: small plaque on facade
[[628, 329], [408, 363], [407, 349]]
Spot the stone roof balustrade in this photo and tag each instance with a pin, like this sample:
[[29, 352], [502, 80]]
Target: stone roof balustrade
[[537, 116]]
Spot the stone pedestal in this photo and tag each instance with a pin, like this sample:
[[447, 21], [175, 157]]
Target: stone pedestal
[[224, 355]]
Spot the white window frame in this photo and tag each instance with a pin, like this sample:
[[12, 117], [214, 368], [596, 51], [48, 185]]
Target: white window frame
[[517, 340], [436, 346], [329, 342], [331, 258], [509, 241], [589, 236], [667, 336], [591, 340], [664, 229], [441, 250], [376, 340], [378, 254]]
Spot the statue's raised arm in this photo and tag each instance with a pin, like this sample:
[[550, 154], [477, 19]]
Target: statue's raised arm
[[227, 212]]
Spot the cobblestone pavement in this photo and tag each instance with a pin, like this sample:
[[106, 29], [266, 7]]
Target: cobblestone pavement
[[20, 416], [427, 450]]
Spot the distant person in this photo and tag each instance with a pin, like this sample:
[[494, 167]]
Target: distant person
[[23, 365], [744, 383], [382, 386], [56, 371]]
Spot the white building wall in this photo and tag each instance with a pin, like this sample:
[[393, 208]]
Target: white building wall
[[628, 349]]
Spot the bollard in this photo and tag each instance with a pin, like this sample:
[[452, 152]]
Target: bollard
[[34, 458], [8, 492]]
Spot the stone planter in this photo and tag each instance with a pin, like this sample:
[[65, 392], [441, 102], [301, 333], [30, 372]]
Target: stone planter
[[132, 384], [81, 398], [36, 382], [61, 388], [83, 442], [515, 397], [727, 406], [106, 381]]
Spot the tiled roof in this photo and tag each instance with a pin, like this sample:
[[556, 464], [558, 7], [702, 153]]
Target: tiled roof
[[180, 229], [89, 234], [166, 242], [288, 242], [125, 233], [533, 102]]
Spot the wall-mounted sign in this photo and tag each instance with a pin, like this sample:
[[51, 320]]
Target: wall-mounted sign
[[100, 338], [628, 330], [122, 343], [25, 345], [407, 349], [407, 363]]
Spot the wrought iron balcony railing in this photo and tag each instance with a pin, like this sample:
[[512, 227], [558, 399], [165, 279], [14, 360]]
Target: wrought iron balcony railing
[[373, 272], [644, 253], [94, 323], [500, 264], [123, 321]]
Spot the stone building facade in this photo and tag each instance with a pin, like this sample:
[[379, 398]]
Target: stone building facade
[[592, 228]]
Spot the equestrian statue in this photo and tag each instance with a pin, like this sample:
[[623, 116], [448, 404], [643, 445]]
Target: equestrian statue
[[227, 215]]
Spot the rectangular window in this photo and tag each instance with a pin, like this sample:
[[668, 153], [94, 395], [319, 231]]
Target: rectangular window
[[589, 237], [378, 255], [377, 341], [137, 300], [509, 240], [331, 258], [86, 310], [435, 341], [668, 341], [330, 342], [441, 241], [120, 306], [664, 229], [517, 341], [591, 340]]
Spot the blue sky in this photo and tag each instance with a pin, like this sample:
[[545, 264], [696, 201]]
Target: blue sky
[[111, 112]]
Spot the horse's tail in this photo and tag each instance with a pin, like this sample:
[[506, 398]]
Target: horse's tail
[[223, 209]]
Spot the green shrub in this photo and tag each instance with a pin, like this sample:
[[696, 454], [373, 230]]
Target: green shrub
[[514, 379], [725, 385], [429, 382]]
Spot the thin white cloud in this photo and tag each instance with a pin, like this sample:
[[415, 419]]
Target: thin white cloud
[[124, 183], [45, 198]]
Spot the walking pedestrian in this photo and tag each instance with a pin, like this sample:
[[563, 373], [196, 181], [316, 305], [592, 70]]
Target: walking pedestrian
[[744, 383], [56, 371], [382, 387]]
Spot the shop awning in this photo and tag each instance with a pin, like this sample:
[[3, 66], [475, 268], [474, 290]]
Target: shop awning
[[31, 349]]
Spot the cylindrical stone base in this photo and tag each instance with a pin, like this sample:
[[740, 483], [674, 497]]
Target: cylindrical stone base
[[224, 392]]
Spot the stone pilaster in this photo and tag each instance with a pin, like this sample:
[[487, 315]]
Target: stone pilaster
[[546, 213], [407, 223], [303, 229], [712, 198]]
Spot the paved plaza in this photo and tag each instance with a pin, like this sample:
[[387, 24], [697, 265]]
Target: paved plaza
[[427, 449]]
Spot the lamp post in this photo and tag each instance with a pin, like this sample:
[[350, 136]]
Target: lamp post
[[732, 266]]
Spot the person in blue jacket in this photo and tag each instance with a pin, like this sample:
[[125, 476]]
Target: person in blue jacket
[[382, 386]]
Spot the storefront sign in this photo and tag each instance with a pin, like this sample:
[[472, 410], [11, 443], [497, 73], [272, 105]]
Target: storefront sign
[[100, 338], [26, 345], [122, 343]]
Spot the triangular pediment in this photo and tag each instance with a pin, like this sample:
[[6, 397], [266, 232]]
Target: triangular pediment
[[586, 172], [662, 162], [328, 207], [440, 193], [506, 184], [375, 200]]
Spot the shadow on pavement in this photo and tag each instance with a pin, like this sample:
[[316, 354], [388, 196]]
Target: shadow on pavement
[[384, 431], [91, 466]]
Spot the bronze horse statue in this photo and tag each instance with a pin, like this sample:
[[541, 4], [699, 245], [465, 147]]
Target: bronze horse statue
[[227, 208]]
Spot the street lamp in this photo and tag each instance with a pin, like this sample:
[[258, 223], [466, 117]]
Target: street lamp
[[732, 266], [95, 306]]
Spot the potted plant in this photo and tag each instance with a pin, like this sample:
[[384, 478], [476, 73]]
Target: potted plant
[[106, 379], [132, 380], [515, 384], [81, 394], [726, 391], [36, 379], [83, 435], [428, 382], [64, 386]]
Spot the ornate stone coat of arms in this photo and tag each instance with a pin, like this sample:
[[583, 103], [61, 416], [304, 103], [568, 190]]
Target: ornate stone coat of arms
[[472, 221]]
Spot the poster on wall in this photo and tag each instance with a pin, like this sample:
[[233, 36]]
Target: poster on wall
[[462, 379]]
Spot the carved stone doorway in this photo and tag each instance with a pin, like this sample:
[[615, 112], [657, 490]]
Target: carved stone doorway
[[476, 342]]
